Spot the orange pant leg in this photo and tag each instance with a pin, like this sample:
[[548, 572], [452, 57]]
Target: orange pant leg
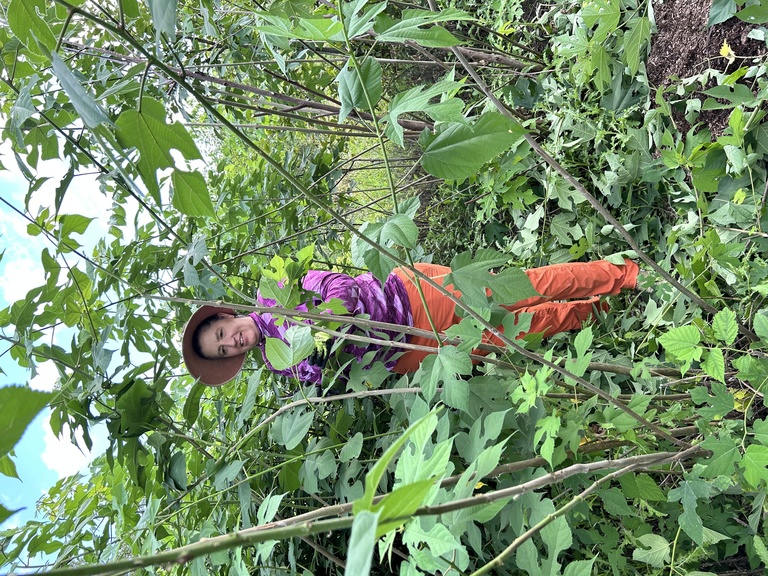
[[557, 282]]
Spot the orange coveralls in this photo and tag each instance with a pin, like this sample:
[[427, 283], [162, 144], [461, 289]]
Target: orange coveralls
[[586, 281]]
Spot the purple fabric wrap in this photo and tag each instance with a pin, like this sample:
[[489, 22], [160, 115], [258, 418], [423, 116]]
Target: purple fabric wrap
[[362, 294]]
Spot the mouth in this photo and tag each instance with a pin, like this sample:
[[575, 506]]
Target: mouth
[[242, 343]]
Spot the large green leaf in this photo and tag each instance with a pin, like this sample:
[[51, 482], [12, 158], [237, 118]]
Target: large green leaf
[[291, 428], [397, 506], [409, 27], [725, 326], [604, 13], [636, 37], [460, 150], [300, 345], [5, 513], [754, 14], [164, 17], [18, 407], [86, 106], [417, 99], [374, 475], [755, 464], [27, 25], [190, 194], [361, 541], [354, 84], [148, 132], [358, 19], [653, 550], [720, 11]]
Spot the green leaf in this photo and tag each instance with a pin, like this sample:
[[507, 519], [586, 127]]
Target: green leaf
[[641, 487], [655, 550], [361, 541], [90, 112], [190, 194], [27, 25], [714, 364], [460, 150], [725, 456], [8, 467], [148, 132], [720, 11], [760, 325], [688, 492], [164, 17], [580, 567], [449, 362], [354, 84], [291, 428], [352, 448], [417, 99], [178, 469], [400, 230], [438, 539], [5, 513], [683, 344], [721, 403], [760, 549], [373, 477], [191, 408], [400, 504], [604, 13], [409, 27], [754, 14], [635, 38], [755, 464], [359, 19], [725, 327], [300, 344], [18, 407]]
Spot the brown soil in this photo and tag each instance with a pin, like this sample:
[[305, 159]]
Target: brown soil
[[683, 47]]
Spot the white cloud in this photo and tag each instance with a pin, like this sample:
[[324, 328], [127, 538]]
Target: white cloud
[[64, 457], [46, 377]]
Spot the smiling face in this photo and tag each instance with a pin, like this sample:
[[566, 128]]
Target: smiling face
[[228, 336]]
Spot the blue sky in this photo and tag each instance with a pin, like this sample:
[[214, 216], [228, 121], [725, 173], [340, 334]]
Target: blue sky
[[41, 458]]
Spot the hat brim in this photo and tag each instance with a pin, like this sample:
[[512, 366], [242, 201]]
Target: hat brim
[[211, 372]]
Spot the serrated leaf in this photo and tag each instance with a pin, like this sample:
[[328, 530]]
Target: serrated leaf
[[400, 230], [438, 538], [8, 467], [580, 567], [604, 13], [714, 364], [760, 325], [760, 549], [683, 342], [148, 132], [725, 327], [27, 25], [460, 150], [721, 403]]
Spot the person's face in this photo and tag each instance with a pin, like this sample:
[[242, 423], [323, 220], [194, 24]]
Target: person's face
[[229, 336]]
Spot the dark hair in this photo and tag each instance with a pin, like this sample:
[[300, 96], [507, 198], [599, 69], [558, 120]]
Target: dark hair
[[204, 325]]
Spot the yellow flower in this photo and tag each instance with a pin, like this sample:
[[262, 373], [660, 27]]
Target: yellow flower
[[727, 53]]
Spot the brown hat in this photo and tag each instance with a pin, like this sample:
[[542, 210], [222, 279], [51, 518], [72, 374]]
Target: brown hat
[[211, 372]]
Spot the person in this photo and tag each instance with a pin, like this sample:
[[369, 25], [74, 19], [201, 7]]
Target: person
[[215, 340]]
